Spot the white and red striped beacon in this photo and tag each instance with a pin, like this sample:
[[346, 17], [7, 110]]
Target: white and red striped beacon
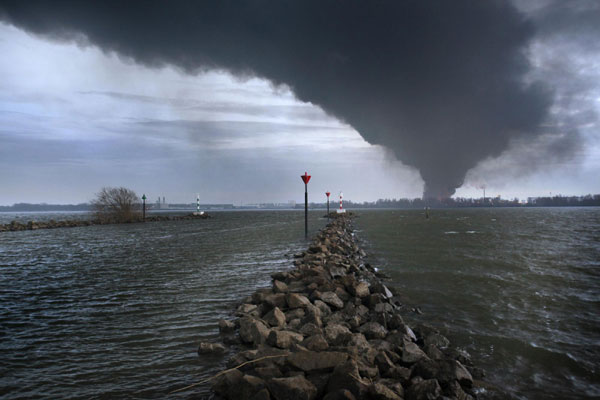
[[341, 209]]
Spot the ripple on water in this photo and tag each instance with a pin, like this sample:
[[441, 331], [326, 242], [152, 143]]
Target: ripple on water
[[117, 311]]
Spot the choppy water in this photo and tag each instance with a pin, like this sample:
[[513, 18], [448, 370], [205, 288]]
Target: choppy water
[[118, 311], [519, 289]]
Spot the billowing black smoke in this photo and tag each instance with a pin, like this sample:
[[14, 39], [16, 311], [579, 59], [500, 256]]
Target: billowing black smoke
[[440, 83]]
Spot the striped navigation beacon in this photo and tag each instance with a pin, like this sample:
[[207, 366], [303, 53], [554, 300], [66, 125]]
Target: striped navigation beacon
[[198, 212], [341, 210]]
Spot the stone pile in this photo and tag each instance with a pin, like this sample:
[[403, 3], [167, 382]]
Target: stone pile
[[51, 224], [330, 329]]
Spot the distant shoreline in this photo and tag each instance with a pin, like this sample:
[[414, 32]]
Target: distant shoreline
[[15, 226]]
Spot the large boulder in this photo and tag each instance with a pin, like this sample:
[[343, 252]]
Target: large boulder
[[311, 361], [411, 353], [275, 317], [226, 384], [253, 331], [315, 343], [332, 299], [276, 300], [226, 326], [337, 334], [360, 290], [279, 286], [284, 339], [295, 387], [425, 390], [378, 391], [373, 330], [295, 300], [347, 376]]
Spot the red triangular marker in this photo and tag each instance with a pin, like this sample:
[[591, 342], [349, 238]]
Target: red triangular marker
[[305, 178]]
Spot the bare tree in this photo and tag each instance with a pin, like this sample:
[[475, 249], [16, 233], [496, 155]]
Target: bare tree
[[116, 205]]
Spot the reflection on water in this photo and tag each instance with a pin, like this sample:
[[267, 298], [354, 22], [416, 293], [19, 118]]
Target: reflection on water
[[518, 288]]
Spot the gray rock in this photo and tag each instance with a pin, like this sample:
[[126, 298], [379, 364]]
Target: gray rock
[[210, 348], [394, 385], [453, 370], [225, 385], [399, 374], [411, 353], [377, 391], [311, 361], [383, 362], [268, 372], [313, 315], [253, 331], [315, 343], [341, 394], [383, 308], [433, 352], [396, 322], [294, 313], [310, 329], [295, 300], [294, 324], [337, 335], [262, 394], [275, 317], [437, 340], [283, 339], [276, 300], [381, 289], [373, 330], [226, 326], [279, 287], [325, 310], [426, 390], [332, 299], [346, 376], [246, 309], [360, 290], [295, 387], [249, 386]]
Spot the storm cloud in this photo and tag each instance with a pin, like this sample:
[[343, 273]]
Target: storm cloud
[[441, 84]]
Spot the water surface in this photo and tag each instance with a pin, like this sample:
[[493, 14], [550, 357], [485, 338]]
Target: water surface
[[117, 311], [519, 289]]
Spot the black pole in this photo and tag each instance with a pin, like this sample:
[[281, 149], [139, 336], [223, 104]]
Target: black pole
[[305, 210], [327, 208], [144, 211]]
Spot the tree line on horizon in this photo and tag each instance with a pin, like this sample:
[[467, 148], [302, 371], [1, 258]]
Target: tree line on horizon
[[545, 201]]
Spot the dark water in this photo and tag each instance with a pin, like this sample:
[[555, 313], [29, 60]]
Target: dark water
[[519, 289], [118, 311]]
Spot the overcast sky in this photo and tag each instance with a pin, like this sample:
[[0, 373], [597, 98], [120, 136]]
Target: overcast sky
[[75, 117]]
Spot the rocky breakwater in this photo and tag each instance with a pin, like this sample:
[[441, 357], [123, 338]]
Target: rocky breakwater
[[52, 224], [330, 329]]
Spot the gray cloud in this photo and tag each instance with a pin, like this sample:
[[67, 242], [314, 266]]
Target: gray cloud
[[442, 84]]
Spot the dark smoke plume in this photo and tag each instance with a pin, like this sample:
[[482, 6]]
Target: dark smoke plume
[[440, 83]]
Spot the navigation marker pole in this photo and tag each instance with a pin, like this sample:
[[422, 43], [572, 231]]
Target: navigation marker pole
[[327, 194], [198, 203], [144, 208], [305, 179]]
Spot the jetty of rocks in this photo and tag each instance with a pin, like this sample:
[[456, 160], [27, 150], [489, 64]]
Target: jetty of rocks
[[51, 224], [330, 329]]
